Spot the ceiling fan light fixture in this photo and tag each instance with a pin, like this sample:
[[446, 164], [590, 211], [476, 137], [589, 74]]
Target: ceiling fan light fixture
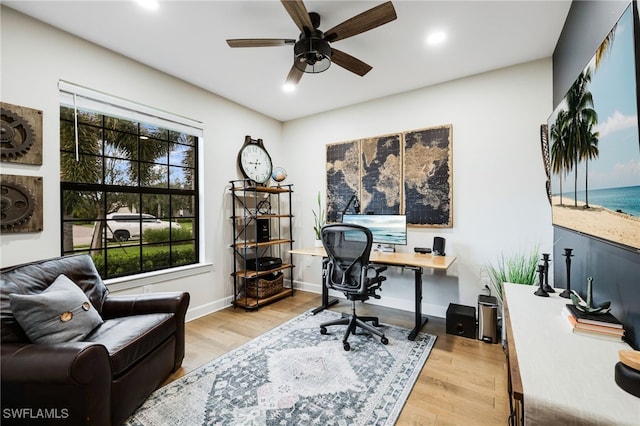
[[312, 55]]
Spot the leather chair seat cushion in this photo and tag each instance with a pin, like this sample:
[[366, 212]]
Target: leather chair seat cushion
[[129, 339]]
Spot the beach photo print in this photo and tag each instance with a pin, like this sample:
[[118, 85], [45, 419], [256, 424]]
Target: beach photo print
[[595, 146]]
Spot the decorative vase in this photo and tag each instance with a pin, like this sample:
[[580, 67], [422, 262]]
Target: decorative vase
[[318, 244]]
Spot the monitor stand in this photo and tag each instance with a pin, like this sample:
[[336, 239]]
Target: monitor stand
[[388, 248]]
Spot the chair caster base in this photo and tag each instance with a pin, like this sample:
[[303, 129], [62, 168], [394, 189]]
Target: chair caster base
[[346, 346], [384, 340]]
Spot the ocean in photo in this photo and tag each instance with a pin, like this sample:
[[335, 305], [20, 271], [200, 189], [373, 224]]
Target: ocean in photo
[[625, 199]]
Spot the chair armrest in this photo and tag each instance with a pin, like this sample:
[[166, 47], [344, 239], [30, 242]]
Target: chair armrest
[[378, 268], [62, 363], [151, 303], [71, 380]]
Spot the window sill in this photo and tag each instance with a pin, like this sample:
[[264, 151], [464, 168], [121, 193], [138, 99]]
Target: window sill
[[156, 277]]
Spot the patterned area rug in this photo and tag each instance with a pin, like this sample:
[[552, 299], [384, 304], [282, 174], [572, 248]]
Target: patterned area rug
[[293, 375]]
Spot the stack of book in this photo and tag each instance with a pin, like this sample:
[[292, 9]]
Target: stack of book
[[604, 326]]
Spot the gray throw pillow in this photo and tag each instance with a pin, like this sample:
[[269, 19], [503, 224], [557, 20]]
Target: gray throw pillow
[[61, 313]]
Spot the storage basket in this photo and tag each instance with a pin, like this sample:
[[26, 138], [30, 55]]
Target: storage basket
[[265, 286]]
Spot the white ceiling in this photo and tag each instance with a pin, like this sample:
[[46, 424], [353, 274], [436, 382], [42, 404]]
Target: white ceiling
[[186, 39]]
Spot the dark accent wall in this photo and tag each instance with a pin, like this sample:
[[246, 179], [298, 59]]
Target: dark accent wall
[[615, 270], [587, 24]]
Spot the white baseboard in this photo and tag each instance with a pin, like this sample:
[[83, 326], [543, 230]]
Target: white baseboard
[[209, 308], [387, 301]]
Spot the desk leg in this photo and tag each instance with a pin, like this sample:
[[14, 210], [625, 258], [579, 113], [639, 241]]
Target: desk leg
[[419, 320], [325, 294]]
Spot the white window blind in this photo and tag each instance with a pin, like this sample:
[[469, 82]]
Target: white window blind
[[80, 97]]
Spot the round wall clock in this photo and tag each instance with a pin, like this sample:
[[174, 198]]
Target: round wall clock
[[254, 161]]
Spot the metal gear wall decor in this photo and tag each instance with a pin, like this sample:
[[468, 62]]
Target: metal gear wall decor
[[21, 134], [20, 204]]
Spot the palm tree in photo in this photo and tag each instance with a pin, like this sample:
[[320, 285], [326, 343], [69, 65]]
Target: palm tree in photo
[[561, 157], [589, 151], [580, 113], [605, 45]]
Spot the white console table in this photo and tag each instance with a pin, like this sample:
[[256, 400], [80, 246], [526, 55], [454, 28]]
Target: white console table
[[558, 377]]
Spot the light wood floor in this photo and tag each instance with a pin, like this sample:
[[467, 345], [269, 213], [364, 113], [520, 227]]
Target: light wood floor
[[463, 382]]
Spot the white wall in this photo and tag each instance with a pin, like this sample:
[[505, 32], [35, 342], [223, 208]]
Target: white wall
[[499, 199], [36, 56]]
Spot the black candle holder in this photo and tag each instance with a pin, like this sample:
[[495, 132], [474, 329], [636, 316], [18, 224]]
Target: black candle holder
[[546, 286], [567, 291], [541, 291]]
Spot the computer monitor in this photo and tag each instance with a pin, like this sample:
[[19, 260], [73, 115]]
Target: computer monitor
[[386, 228]]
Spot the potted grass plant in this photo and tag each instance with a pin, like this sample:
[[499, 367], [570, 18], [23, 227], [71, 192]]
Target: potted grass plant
[[519, 268], [319, 221]]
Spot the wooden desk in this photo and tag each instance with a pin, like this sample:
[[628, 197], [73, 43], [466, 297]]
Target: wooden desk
[[559, 377], [414, 261]]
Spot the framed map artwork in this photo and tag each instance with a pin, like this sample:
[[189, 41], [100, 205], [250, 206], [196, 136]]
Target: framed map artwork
[[404, 173], [381, 179], [343, 177], [428, 177]]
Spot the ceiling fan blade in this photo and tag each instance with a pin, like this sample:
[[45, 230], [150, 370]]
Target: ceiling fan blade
[[259, 42], [349, 63], [365, 21], [299, 14], [294, 75]]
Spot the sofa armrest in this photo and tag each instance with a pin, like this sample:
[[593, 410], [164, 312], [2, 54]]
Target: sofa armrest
[[68, 363], [152, 303], [74, 379]]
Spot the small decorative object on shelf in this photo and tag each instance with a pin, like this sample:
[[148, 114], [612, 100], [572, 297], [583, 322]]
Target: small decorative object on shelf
[[587, 306], [546, 286], [540, 291], [279, 174], [567, 291], [254, 161]]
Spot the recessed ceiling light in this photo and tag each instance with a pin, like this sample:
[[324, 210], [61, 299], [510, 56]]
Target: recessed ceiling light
[[288, 87], [148, 4], [436, 38]]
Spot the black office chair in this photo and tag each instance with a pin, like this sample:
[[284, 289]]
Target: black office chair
[[348, 270]]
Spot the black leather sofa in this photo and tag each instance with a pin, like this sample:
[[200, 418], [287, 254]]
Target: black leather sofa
[[102, 379]]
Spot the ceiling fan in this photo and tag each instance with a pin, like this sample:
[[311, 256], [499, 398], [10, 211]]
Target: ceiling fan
[[312, 51]]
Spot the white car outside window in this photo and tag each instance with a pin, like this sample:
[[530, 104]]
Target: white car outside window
[[123, 226]]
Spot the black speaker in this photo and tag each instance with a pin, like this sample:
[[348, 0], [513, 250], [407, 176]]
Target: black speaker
[[263, 230], [438, 246], [461, 320]]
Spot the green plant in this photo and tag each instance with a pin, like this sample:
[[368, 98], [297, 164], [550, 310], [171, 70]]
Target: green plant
[[162, 235], [318, 218], [519, 268]]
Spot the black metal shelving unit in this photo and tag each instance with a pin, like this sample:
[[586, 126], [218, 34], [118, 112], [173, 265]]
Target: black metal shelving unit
[[252, 204]]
